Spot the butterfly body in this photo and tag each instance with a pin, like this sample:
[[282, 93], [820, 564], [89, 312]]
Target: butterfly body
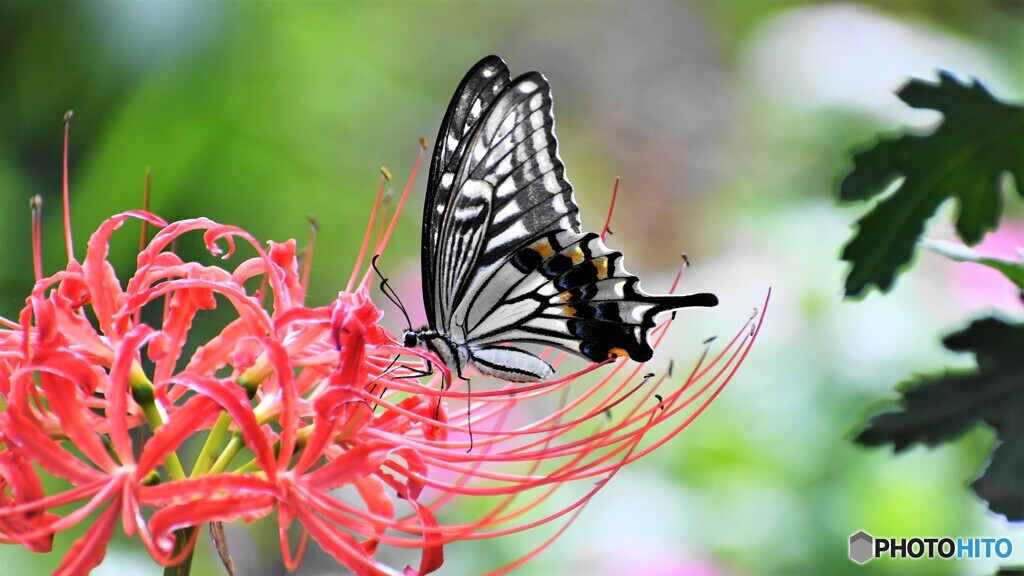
[[504, 260], [505, 362]]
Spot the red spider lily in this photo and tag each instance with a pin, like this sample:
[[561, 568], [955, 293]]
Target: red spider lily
[[302, 412]]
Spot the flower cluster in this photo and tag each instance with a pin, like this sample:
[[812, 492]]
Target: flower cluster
[[312, 415]]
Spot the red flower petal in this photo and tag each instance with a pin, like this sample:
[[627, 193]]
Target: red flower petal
[[203, 487], [61, 378], [212, 509], [340, 545], [118, 392], [24, 434], [433, 551], [18, 476], [358, 462], [88, 551]]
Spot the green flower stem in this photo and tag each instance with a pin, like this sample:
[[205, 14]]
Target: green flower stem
[[248, 468], [205, 464], [234, 446], [143, 393], [205, 461]]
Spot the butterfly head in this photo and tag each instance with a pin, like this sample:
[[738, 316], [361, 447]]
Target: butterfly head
[[410, 339]]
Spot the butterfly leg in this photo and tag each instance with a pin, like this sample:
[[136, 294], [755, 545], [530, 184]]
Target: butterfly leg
[[469, 408], [417, 372], [414, 373], [372, 384]]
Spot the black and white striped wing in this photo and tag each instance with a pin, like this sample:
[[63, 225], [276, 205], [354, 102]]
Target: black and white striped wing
[[501, 186], [569, 290], [474, 96]]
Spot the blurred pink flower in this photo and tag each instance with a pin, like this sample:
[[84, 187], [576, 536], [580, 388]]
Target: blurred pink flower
[[976, 286]]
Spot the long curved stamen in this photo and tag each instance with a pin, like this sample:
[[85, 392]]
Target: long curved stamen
[[36, 206], [611, 209], [307, 260], [398, 210], [385, 176], [67, 196]]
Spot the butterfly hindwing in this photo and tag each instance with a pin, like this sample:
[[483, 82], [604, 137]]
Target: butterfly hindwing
[[571, 291]]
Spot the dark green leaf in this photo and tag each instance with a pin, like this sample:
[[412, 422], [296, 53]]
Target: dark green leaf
[[1000, 485], [941, 408], [965, 159]]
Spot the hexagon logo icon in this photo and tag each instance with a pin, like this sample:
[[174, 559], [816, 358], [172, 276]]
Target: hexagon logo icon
[[861, 547]]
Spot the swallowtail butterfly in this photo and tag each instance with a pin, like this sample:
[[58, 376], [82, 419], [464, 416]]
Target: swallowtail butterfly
[[503, 258]]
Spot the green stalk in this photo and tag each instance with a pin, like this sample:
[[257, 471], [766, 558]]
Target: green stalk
[[234, 446], [143, 393], [213, 442]]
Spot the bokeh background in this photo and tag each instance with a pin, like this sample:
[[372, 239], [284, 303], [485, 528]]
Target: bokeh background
[[728, 122]]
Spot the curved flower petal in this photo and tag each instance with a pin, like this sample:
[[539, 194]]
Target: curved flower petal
[[353, 464], [226, 508], [88, 551], [19, 477], [191, 416], [43, 450]]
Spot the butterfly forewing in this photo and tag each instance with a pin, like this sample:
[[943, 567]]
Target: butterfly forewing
[[513, 150], [475, 95], [462, 236]]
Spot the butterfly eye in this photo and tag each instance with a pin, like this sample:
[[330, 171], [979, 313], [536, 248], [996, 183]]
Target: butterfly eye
[[410, 339]]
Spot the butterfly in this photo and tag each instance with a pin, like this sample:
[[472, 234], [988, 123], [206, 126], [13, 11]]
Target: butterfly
[[504, 260]]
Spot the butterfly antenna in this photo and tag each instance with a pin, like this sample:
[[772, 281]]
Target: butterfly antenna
[[389, 292]]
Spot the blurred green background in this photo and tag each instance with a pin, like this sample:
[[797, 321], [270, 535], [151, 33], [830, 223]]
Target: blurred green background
[[728, 123]]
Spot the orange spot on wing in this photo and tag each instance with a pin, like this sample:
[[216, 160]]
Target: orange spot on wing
[[543, 247], [617, 352], [576, 254], [601, 266]]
